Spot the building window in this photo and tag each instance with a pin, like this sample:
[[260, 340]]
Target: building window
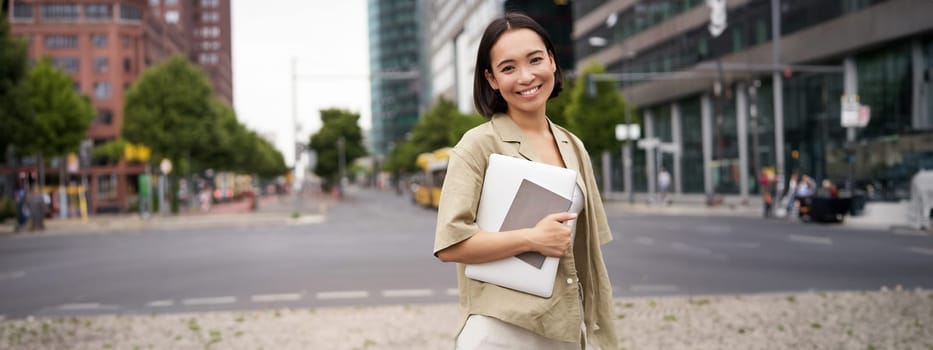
[[171, 17], [98, 12], [107, 186], [130, 13], [100, 64], [61, 41], [125, 41], [104, 117], [171, 2], [67, 64], [207, 58], [209, 3], [60, 12], [22, 11], [102, 90], [99, 40], [127, 65]]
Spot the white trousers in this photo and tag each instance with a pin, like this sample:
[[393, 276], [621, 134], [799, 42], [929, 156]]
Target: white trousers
[[483, 332]]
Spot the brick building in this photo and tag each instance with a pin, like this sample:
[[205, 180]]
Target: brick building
[[104, 45]]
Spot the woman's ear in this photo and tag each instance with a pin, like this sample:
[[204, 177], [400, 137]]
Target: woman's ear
[[491, 80], [553, 62]]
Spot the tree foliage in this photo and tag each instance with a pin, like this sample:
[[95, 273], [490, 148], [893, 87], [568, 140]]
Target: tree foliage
[[14, 112], [441, 126], [337, 124], [593, 118], [61, 115], [169, 110]]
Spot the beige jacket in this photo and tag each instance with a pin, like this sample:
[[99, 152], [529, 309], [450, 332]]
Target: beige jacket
[[559, 316]]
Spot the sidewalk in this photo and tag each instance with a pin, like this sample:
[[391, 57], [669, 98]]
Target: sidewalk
[[876, 216], [886, 319], [272, 210]]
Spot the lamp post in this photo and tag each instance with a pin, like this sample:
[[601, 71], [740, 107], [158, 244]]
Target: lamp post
[[627, 133]]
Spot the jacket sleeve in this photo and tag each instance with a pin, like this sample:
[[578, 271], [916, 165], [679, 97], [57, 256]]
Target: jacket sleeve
[[456, 213], [600, 224]]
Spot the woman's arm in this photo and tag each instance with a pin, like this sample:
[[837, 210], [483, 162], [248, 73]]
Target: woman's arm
[[550, 237]]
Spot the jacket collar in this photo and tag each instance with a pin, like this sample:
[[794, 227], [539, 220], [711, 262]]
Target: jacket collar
[[509, 132]]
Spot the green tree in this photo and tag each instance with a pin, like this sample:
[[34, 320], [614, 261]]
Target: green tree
[[169, 110], [61, 115], [440, 126], [593, 118], [337, 124], [15, 117]]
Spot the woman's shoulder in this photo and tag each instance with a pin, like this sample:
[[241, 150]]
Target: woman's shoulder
[[476, 139]]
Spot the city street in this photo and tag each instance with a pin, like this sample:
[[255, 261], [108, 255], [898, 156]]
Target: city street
[[374, 248]]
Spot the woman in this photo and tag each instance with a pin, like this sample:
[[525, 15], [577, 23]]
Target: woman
[[516, 74]]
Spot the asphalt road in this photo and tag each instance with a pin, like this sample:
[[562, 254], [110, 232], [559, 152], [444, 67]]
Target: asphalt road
[[375, 248]]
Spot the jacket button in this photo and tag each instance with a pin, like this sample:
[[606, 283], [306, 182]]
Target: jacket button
[[570, 281]]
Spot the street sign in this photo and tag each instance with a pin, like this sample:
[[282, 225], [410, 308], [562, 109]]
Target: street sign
[[717, 16], [165, 166], [649, 143], [627, 132], [854, 114]]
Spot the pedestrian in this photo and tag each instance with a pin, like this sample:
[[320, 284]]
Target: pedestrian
[[22, 212], [37, 207], [516, 74], [664, 184], [766, 180]]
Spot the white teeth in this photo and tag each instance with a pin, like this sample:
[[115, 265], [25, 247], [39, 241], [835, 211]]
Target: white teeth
[[529, 91]]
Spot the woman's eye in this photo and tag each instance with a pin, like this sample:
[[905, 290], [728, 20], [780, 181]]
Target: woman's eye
[[537, 60], [507, 69]]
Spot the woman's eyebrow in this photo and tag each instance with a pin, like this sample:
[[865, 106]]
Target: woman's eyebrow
[[532, 53]]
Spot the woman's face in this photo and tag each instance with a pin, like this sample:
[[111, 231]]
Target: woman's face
[[522, 70]]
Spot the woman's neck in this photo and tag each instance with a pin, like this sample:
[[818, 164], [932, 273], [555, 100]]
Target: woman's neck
[[530, 122]]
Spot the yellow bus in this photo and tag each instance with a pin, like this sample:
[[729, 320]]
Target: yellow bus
[[433, 165]]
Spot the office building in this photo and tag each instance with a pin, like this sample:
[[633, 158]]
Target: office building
[[712, 96]]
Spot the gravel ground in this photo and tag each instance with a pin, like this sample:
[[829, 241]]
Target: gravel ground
[[886, 319]]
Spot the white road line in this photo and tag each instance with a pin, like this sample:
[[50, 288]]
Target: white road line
[[12, 275], [686, 248], [79, 306], [920, 250], [810, 239], [268, 298], [353, 294], [160, 303], [453, 292], [656, 288], [644, 240], [402, 293], [209, 301]]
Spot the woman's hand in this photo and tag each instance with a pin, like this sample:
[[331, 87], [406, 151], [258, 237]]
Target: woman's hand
[[551, 237]]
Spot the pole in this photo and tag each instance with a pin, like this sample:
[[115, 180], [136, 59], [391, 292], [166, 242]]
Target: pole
[[341, 163], [778, 100], [298, 186]]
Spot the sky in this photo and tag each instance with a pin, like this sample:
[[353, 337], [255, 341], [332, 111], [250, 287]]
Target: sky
[[330, 43]]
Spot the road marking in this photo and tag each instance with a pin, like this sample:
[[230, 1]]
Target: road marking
[[714, 230], [79, 306], [268, 298], [209, 301], [353, 294], [686, 248], [160, 303], [655, 288], [920, 250], [644, 241], [453, 292], [401, 293], [810, 239], [12, 275]]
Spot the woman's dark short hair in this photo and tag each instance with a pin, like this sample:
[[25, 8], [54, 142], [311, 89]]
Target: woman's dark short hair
[[487, 100]]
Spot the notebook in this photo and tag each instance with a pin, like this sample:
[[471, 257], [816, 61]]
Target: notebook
[[518, 193]]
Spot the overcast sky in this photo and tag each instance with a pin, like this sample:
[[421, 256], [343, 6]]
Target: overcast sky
[[328, 38]]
